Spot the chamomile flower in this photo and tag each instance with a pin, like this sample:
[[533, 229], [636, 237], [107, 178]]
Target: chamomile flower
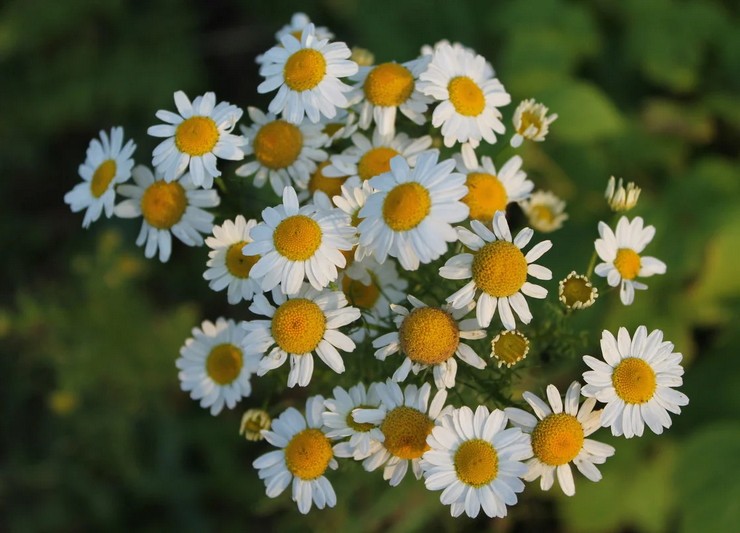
[[306, 72], [427, 50], [531, 122], [297, 24], [284, 153], [340, 423], [431, 337], [621, 251], [406, 418], [468, 95], [384, 89], [296, 243], [490, 191], [108, 163], [213, 365], [196, 135], [168, 208], [636, 381], [305, 454], [409, 216], [253, 422], [369, 158], [499, 269], [299, 327], [577, 291], [509, 347], [621, 198], [341, 126], [476, 462], [227, 265], [320, 182], [545, 211], [559, 437]]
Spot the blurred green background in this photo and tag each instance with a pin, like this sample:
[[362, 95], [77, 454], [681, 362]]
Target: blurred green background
[[95, 433]]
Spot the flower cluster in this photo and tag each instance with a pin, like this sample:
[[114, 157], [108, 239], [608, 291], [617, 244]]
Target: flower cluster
[[380, 245]]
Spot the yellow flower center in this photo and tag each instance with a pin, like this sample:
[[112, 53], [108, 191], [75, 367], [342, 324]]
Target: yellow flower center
[[429, 336], [406, 206], [308, 454], [376, 161], [577, 289], [278, 144], [634, 380], [557, 439], [298, 326], [163, 204], [224, 363], [297, 237], [331, 186], [359, 294], [389, 84], [627, 263], [237, 263], [476, 463], [196, 135], [406, 430], [528, 118], [304, 69], [466, 96], [360, 427], [499, 268], [486, 195], [102, 177], [510, 347]]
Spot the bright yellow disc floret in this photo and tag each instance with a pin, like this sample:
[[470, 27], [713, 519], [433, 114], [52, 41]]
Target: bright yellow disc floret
[[627, 263], [237, 263], [499, 268], [304, 69], [406, 205], [486, 195], [308, 454], [297, 237], [429, 336], [224, 363], [278, 144], [298, 326], [163, 204], [406, 430], [359, 294], [375, 161], [466, 96], [557, 439], [476, 463], [634, 380], [102, 177], [389, 84], [330, 186], [196, 135]]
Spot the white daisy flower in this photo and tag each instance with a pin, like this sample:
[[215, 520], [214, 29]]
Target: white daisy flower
[[469, 96], [227, 265], [195, 136], [431, 337], [490, 191], [298, 327], [476, 462], [499, 269], [636, 382], [168, 208], [299, 242], [406, 418], [559, 438], [427, 50], [410, 215], [213, 366], [304, 455], [107, 163], [531, 122], [284, 153], [342, 126], [545, 211], [367, 159], [621, 251], [340, 422], [384, 89], [306, 72]]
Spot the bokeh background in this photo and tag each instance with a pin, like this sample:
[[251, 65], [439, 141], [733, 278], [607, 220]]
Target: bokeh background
[[95, 434]]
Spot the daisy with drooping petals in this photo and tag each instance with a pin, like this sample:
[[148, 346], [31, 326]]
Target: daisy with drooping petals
[[298, 327], [383, 89], [410, 215], [168, 208], [490, 191], [340, 423], [107, 163], [531, 122], [306, 72], [406, 418], [284, 153], [304, 456], [227, 265], [545, 211], [476, 462], [636, 382], [431, 336], [469, 96], [499, 269], [213, 366], [296, 243], [621, 251], [253, 422], [196, 135], [559, 438]]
